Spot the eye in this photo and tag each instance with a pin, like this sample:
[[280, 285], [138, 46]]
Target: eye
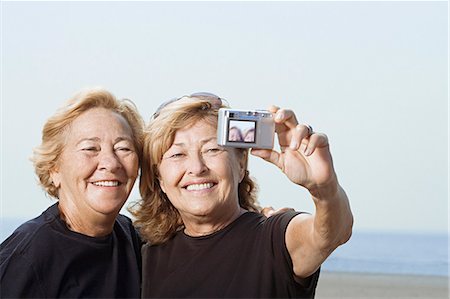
[[176, 155], [173, 155], [90, 149], [123, 149], [213, 150]]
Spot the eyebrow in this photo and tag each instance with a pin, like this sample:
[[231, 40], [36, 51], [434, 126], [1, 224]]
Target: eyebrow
[[203, 141], [96, 139]]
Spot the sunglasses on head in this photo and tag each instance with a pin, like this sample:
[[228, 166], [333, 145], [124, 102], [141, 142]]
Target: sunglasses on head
[[215, 101]]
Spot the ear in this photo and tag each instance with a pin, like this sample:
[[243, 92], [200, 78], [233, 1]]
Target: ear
[[55, 175], [243, 161], [161, 183]]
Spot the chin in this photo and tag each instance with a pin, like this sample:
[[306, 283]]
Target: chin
[[202, 211], [109, 207]]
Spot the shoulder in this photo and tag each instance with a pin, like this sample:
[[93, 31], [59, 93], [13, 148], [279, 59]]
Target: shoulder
[[124, 221], [281, 220], [284, 217], [30, 234], [272, 231], [125, 225], [26, 249], [253, 226]]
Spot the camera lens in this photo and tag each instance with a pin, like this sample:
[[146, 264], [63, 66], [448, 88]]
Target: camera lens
[[231, 114]]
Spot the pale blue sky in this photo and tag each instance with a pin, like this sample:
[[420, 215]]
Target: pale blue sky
[[372, 75]]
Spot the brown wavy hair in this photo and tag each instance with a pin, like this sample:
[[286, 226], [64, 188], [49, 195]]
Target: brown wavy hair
[[155, 216], [46, 155]]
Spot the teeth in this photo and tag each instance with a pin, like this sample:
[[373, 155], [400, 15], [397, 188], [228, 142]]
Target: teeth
[[197, 187], [106, 183]]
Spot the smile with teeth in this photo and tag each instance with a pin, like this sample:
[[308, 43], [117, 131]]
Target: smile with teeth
[[107, 183], [197, 187]]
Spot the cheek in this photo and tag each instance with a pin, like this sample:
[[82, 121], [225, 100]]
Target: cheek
[[231, 170], [133, 166], [168, 175]]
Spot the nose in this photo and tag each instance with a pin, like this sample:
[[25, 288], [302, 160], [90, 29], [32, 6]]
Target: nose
[[108, 160], [196, 164]]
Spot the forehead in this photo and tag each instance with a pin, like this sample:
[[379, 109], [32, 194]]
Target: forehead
[[197, 131], [99, 120]]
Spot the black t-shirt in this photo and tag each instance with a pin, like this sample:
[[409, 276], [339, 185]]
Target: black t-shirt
[[247, 259], [44, 259]]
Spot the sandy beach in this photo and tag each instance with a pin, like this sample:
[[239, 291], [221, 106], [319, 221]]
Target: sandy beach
[[372, 286]]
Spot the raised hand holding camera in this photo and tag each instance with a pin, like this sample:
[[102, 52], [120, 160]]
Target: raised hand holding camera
[[245, 128], [305, 157]]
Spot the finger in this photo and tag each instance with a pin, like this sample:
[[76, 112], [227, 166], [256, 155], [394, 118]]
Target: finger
[[273, 108], [299, 134], [267, 211], [315, 140], [268, 155], [286, 117]]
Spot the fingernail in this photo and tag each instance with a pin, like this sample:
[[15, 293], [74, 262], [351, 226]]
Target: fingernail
[[293, 145], [307, 151], [279, 116]]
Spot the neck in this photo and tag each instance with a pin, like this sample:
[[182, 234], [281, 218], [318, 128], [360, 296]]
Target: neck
[[86, 225], [207, 225]]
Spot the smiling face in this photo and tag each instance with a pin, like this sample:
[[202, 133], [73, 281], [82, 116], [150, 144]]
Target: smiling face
[[249, 135], [98, 166], [235, 134], [199, 177]]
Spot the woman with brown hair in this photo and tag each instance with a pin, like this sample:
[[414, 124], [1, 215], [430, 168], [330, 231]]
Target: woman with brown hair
[[198, 211]]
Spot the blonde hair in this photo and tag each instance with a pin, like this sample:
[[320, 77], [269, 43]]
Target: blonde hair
[[46, 155], [155, 216]]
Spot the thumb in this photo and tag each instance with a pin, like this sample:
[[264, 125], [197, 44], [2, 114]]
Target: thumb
[[268, 155]]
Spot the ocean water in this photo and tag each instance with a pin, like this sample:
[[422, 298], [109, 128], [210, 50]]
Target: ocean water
[[392, 253], [367, 252]]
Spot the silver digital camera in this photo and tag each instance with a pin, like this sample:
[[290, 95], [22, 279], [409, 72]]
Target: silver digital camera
[[245, 128]]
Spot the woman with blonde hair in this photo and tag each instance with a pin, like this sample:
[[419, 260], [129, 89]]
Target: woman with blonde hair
[[200, 216], [81, 246]]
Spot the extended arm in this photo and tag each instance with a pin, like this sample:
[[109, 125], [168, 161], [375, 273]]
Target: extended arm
[[310, 239], [306, 160]]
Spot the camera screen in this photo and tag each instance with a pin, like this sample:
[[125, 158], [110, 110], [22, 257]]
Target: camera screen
[[241, 131]]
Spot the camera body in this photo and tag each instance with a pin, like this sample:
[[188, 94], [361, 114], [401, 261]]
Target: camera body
[[245, 128]]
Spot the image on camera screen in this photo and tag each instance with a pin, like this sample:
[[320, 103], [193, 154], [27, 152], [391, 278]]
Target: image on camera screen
[[241, 131]]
